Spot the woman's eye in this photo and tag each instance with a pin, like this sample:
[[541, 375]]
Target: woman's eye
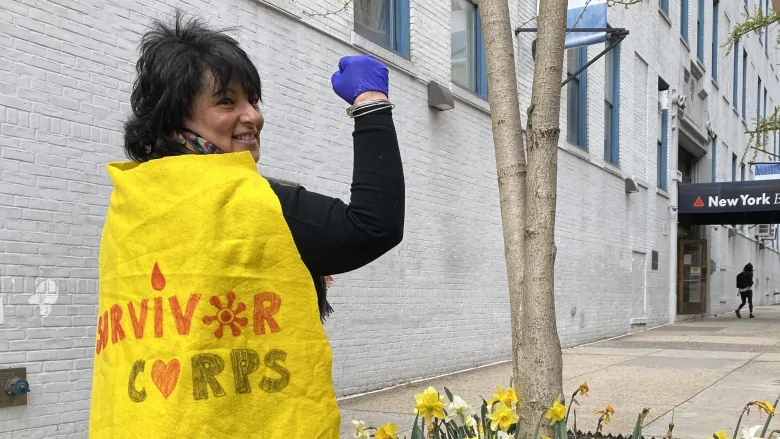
[[225, 101], [254, 102]]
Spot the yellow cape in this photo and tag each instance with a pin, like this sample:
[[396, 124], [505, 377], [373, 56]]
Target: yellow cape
[[208, 322]]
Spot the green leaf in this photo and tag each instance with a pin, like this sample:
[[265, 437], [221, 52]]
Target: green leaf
[[417, 433], [538, 424], [511, 380], [449, 394], [574, 430]]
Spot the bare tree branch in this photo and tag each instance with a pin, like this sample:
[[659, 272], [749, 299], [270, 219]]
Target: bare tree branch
[[753, 23], [326, 13], [759, 136]]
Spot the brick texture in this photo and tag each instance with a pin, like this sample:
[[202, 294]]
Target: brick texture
[[435, 304]]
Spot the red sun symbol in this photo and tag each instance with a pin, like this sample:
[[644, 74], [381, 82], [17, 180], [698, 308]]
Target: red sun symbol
[[227, 316]]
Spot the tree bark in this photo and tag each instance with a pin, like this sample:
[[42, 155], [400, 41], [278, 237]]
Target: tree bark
[[509, 151], [541, 368]]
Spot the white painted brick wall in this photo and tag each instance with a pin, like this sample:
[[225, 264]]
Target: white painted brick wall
[[435, 304]]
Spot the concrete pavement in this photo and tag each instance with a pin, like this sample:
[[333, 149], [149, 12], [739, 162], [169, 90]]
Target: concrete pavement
[[704, 370]]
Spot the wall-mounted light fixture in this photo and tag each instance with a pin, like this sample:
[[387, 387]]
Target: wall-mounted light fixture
[[440, 97]]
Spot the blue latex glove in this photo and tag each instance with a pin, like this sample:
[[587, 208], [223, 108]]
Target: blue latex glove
[[357, 75]]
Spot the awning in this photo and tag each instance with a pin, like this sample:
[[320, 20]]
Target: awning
[[743, 202]]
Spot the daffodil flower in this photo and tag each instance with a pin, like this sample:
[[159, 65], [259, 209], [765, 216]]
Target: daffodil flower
[[386, 431], [507, 397], [765, 406], [360, 430], [606, 413], [557, 412], [459, 412], [719, 434], [583, 389], [502, 416], [429, 403]]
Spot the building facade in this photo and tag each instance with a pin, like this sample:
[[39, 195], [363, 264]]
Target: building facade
[[438, 302]]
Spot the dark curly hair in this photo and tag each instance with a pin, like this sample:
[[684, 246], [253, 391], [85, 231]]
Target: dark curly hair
[[173, 63]]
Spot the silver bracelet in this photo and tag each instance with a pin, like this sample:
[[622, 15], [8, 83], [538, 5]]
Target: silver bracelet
[[367, 104], [379, 108]]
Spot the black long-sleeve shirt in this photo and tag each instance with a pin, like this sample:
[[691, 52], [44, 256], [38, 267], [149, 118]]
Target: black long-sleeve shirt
[[333, 237]]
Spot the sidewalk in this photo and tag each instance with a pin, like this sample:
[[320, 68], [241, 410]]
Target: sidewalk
[[705, 370]]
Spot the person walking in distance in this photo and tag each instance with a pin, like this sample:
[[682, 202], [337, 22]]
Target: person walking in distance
[[745, 286]]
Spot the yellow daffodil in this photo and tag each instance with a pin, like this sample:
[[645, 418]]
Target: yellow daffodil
[[546, 437], [386, 431], [584, 389], [557, 412], [719, 434], [507, 397], [606, 413], [502, 416], [765, 406], [360, 430], [429, 403]]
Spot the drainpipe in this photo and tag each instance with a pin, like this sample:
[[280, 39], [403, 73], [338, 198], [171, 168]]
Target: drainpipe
[[672, 151]]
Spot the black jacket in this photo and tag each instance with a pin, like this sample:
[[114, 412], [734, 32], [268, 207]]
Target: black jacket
[[333, 237], [745, 279]]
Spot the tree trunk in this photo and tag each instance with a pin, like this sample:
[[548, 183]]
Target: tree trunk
[[509, 150], [541, 368]]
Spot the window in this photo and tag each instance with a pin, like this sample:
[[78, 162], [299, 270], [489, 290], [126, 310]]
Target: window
[[700, 32], [744, 83], [714, 55], [735, 90], [733, 167], [661, 156], [766, 138], [385, 23], [684, 19], [766, 29], [612, 106], [758, 100], [714, 160], [742, 173], [577, 90], [467, 54], [664, 6], [760, 8]]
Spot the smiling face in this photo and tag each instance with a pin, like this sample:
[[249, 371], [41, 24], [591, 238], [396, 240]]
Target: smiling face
[[229, 119]]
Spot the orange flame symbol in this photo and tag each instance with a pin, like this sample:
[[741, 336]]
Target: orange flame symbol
[[158, 280]]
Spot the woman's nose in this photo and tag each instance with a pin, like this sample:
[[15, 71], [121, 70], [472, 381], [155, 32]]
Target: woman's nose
[[252, 115]]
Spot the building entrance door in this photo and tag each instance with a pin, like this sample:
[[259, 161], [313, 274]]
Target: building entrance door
[[692, 276]]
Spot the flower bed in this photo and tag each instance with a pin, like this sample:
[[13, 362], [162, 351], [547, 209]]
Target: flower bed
[[497, 419]]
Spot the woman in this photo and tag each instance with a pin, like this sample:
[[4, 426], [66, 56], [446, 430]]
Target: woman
[[208, 310], [745, 287]]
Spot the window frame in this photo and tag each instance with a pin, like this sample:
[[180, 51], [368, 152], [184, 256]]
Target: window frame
[[700, 32], [744, 83], [581, 81], [735, 90], [612, 147], [715, 23], [480, 67], [684, 19], [400, 21]]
